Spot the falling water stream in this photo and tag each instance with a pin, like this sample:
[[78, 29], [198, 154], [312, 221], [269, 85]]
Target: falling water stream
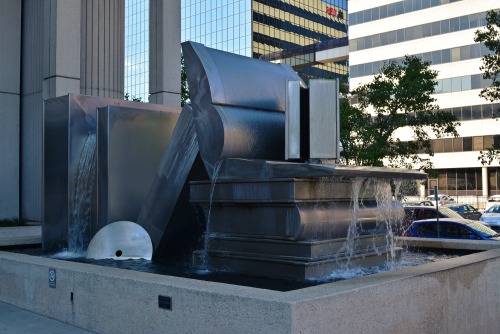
[[82, 197], [204, 258], [81, 215]]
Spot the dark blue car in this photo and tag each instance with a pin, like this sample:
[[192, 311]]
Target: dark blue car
[[451, 228]]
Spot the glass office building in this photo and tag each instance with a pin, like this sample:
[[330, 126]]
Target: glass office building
[[136, 74], [287, 31]]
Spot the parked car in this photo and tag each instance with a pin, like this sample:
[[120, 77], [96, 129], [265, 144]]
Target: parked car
[[452, 228], [442, 199], [491, 216], [413, 213], [492, 200], [465, 210], [421, 203]]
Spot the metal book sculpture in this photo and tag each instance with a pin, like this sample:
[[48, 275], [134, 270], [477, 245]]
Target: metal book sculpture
[[241, 153]]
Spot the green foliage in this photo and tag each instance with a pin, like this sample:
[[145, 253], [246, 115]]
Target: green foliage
[[127, 97], [184, 85], [490, 37], [12, 222], [489, 155], [398, 97]]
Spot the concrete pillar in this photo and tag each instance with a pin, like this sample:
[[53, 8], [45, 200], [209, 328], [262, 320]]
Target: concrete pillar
[[102, 47], [69, 46], [50, 68], [10, 89], [61, 48], [484, 178], [165, 52]]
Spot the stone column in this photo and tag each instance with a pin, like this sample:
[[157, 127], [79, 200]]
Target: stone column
[[61, 48], [102, 48], [165, 52], [50, 68], [69, 46], [10, 90], [484, 178]]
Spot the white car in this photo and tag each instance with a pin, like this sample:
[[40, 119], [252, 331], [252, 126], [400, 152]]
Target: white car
[[442, 199], [491, 216], [492, 200]]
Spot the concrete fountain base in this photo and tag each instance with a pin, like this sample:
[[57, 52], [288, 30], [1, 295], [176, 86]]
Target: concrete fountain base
[[459, 295]]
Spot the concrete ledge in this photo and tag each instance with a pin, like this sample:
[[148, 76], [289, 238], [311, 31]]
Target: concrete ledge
[[460, 295], [20, 235]]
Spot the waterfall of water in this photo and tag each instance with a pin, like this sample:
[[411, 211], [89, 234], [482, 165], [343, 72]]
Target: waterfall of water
[[349, 247], [83, 189], [204, 257]]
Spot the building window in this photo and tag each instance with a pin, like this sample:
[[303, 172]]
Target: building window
[[429, 29], [477, 143]]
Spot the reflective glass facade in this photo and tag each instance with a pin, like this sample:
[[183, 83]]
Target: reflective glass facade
[[137, 49], [288, 31]]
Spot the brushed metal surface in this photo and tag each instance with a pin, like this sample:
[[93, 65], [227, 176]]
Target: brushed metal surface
[[238, 104], [130, 146], [225, 78], [297, 221], [279, 190], [283, 267], [68, 122], [324, 135], [292, 121], [253, 169], [166, 213], [120, 240], [305, 250]]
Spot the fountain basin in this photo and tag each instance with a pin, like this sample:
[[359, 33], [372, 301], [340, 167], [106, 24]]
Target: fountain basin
[[429, 298]]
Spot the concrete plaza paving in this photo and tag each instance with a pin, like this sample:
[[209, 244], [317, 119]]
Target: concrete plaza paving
[[14, 320]]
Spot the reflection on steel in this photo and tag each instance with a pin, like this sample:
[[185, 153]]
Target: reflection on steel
[[69, 122], [131, 143], [291, 201], [166, 212], [292, 121], [324, 134], [121, 240], [297, 220], [250, 169], [238, 104]]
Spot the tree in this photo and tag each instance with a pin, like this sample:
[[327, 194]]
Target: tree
[[491, 67], [491, 62], [127, 97], [184, 85], [398, 97]]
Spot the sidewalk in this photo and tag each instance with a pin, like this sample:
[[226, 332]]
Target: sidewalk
[[14, 320]]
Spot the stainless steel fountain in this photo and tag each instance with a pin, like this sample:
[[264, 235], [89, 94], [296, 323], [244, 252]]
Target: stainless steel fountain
[[240, 154]]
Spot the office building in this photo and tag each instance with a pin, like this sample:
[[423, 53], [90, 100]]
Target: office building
[[442, 32], [311, 36], [137, 49], [297, 32]]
